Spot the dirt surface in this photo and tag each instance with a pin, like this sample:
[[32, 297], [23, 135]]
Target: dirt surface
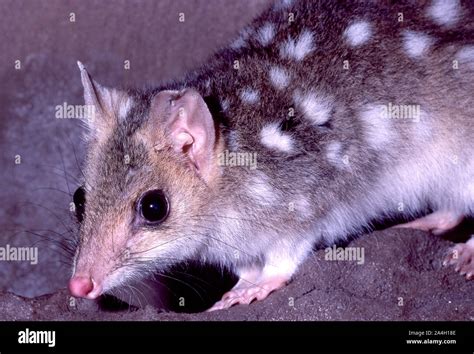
[[402, 278]]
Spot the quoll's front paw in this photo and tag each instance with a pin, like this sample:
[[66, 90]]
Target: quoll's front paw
[[244, 294], [462, 257]]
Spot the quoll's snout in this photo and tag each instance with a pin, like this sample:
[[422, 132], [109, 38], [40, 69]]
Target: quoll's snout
[[85, 287]]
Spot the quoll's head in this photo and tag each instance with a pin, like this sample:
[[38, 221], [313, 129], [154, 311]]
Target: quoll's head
[[149, 166]]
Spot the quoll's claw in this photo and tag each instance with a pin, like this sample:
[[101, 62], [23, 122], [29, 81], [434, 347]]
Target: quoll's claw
[[246, 294], [461, 257]]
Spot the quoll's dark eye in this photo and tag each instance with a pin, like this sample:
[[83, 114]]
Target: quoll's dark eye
[[79, 199], [154, 206]]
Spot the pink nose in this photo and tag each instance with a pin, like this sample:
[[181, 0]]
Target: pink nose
[[80, 286]]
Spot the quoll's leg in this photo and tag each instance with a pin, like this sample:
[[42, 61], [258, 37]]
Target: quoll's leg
[[258, 283], [253, 285], [436, 223], [462, 257]]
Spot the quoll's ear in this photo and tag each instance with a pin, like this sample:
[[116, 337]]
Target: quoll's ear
[[104, 105], [189, 126]]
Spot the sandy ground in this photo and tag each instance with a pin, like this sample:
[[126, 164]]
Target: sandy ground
[[401, 279]]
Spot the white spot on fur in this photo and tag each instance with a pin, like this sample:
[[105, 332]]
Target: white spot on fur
[[241, 41], [125, 107], [233, 140], [282, 4], [303, 207], [297, 48], [260, 189], [315, 107], [279, 77], [249, 96], [238, 43], [377, 126], [225, 104], [416, 44], [358, 33], [334, 154], [265, 34], [272, 137], [444, 12], [465, 56]]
